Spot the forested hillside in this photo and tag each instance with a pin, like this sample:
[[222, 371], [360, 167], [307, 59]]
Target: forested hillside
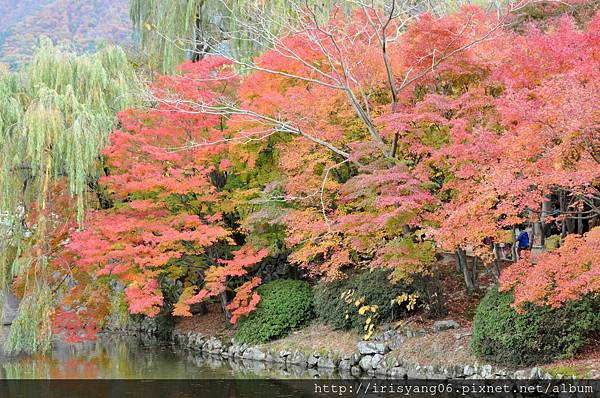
[[77, 24]]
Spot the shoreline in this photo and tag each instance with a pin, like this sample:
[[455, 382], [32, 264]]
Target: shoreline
[[377, 358]]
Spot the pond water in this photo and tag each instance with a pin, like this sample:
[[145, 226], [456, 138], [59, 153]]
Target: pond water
[[130, 357], [114, 357], [145, 368]]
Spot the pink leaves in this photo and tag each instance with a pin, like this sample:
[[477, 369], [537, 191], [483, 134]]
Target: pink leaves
[[566, 274], [225, 164], [144, 298]]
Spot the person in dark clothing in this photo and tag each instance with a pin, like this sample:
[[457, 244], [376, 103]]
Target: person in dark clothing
[[554, 229], [522, 242]]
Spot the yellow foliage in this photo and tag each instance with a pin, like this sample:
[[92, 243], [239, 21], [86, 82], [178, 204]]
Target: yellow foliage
[[409, 300]]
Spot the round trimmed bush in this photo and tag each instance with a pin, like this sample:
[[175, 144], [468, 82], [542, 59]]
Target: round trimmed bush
[[285, 304], [374, 286], [539, 335]]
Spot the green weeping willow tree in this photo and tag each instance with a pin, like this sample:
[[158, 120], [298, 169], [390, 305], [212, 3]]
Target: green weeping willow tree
[[174, 30], [55, 118]]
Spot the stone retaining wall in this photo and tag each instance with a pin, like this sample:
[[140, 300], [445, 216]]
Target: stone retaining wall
[[371, 359]]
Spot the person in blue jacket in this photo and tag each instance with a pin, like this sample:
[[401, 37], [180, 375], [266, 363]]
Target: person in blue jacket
[[522, 242]]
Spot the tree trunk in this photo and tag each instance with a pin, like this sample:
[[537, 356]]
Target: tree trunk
[[200, 45], [459, 264], [515, 252], [223, 299], [467, 271], [546, 207], [474, 279], [496, 265]]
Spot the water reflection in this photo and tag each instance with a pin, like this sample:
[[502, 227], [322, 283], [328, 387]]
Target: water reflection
[[127, 357], [109, 357]]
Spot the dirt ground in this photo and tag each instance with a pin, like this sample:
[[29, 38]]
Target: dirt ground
[[213, 323], [318, 338]]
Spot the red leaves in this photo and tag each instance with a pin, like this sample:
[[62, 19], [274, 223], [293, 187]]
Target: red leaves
[[244, 258], [162, 189], [75, 327], [144, 298], [216, 278], [245, 300], [481, 139], [568, 273]]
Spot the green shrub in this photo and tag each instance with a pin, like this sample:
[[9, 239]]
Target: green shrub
[[539, 335], [285, 304], [552, 242], [376, 289]]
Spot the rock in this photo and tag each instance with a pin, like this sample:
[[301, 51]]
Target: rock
[[254, 354], [312, 360], [344, 365], [384, 366], [486, 371], [206, 346], [439, 326], [297, 359], [365, 363], [454, 372], [196, 342], [371, 347], [284, 353], [376, 360], [500, 374], [233, 350], [241, 350], [468, 370], [259, 355], [536, 373], [326, 362], [352, 359], [434, 372], [275, 358], [415, 332], [398, 373], [355, 371], [392, 338], [459, 336], [395, 343], [215, 346]]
